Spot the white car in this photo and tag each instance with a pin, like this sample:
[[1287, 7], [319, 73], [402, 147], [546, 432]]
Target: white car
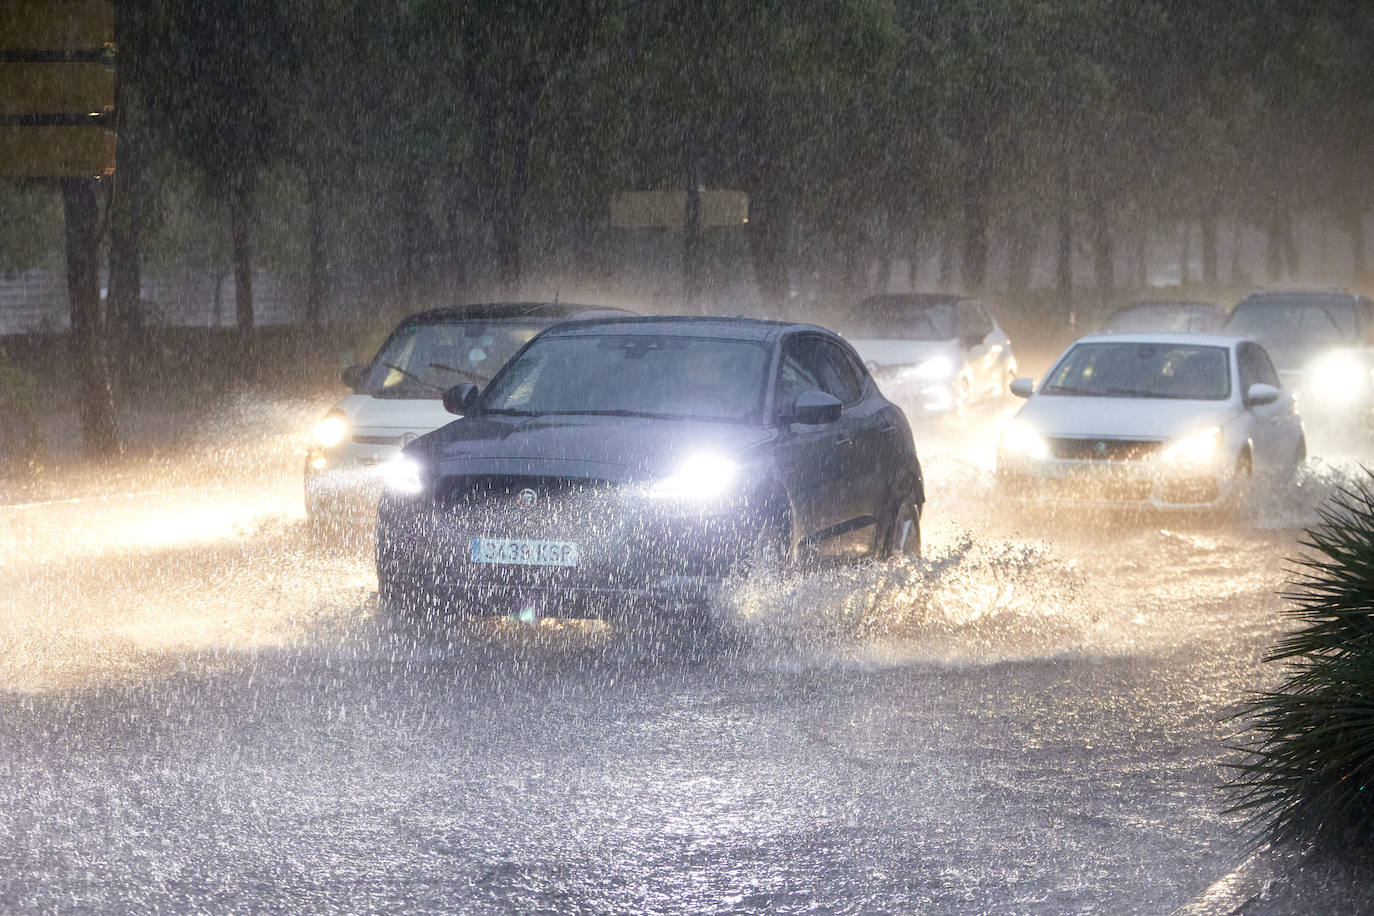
[[932, 352], [399, 395], [1152, 420]]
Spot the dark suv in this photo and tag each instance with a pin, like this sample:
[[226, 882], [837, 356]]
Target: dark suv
[[1322, 342]]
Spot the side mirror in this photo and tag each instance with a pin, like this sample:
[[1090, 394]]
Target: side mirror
[[815, 408], [461, 397], [354, 376], [1259, 393], [1023, 387]]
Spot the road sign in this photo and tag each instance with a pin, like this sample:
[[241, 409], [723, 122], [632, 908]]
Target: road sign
[[39, 89], [668, 209], [56, 152], [56, 87], [56, 25]]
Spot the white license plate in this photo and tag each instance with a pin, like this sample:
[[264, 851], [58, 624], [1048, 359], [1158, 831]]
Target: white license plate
[[523, 552]]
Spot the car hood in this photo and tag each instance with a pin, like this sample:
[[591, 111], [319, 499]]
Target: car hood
[[395, 415], [885, 352], [615, 448], [1123, 418]]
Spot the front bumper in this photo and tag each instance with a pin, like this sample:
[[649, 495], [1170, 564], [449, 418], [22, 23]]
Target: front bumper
[[1114, 484], [631, 555]]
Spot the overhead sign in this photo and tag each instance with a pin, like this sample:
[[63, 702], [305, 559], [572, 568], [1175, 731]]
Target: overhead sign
[[57, 88], [668, 209]]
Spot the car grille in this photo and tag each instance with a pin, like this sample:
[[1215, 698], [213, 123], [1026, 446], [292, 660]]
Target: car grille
[[1080, 449], [519, 497]]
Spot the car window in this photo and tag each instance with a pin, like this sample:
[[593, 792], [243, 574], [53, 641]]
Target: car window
[[422, 360], [813, 363], [1142, 370], [842, 380], [1264, 366]]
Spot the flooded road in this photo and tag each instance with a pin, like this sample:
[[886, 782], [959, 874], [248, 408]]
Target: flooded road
[[198, 712]]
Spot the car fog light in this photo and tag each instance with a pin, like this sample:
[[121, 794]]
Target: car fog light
[[704, 476], [1022, 440], [329, 432], [1199, 448], [403, 475]]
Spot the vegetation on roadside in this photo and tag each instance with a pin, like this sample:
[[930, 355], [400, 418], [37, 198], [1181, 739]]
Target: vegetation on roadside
[[22, 445], [1308, 773]]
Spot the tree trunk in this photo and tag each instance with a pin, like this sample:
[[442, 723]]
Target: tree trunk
[[768, 233], [1185, 256], [913, 267], [95, 399], [1021, 254], [1273, 248], [1209, 245], [1104, 254], [947, 259], [1291, 252], [240, 216], [315, 283], [693, 243], [1358, 256], [1064, 253], [125, 310], [975, 238]]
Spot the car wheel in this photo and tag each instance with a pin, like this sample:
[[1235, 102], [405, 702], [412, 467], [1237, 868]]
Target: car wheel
[[904, 531]]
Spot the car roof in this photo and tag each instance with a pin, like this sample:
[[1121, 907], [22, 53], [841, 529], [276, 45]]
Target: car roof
[[1195, 304], [1164, 337], [684, 326], [1312, 294], [503, 311], [914, 300]]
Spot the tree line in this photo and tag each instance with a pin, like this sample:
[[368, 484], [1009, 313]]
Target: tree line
[[449, 144]]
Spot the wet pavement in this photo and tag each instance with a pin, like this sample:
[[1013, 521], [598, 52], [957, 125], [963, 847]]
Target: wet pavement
[[198, 712]]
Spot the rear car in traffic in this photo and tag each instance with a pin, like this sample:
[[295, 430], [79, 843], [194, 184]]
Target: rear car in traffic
[[1323, 344], [932, 352], [398, 396], [1168, 421], [1175, 316], [623, 465]]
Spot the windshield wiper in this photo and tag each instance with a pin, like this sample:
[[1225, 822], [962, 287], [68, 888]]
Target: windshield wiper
[[619, 413], [457, 371], [414, 378], [510, 412], [1069, 389]]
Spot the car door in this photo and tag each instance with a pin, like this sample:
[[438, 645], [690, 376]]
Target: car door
[[815, 461], [1271, 432], [864, 422]]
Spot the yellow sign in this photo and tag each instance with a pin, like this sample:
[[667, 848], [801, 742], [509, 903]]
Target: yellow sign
[[31, 89], [56, 25], [56, 152], [668, 209]]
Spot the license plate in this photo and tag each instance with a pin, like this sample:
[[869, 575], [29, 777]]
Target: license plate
[[522, 552]]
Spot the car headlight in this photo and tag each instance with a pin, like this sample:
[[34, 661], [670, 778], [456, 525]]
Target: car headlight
[[1199, 448], [1021, 439], [330, 431], [403, 475], [1339, 378], [700, 477], [937, 367]]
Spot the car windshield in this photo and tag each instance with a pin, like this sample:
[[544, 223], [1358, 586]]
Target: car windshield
[[634, 375], [1165, 317], [1318, 319], [1142, 370], [889, 320], [424, 360]]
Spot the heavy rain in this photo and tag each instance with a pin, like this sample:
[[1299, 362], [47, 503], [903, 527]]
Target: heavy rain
[[577, 294]]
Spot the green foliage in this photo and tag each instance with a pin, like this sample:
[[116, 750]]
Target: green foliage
[[22, 445], [1309, 771]]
